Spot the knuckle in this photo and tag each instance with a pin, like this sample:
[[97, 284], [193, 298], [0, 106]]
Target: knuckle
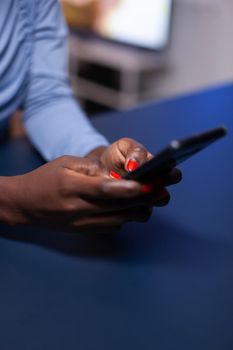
[[149, 156], [140, 149], [104, 188], [64, 186], [63, 159], [69, 206], [126, 140], [130, 143], [95, 167]]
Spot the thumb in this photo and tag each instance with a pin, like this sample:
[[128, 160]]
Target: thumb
[[135, 154]]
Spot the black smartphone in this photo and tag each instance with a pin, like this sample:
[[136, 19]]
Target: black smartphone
[[176, 152]]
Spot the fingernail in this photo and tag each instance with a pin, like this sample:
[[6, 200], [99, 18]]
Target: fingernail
[[147, 188], [132, 165], [114, 175]]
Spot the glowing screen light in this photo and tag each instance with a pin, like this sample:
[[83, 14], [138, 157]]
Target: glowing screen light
[[142, 23]]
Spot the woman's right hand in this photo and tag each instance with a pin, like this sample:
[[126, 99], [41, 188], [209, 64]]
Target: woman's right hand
[[75, 194]]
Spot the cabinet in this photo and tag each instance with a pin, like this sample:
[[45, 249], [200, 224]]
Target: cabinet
[[134, 68]]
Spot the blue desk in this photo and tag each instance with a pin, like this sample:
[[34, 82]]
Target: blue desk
[[164, 285]]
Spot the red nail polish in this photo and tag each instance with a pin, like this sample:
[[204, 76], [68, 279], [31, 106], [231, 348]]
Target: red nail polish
[[114, 175], [147, 188], [132, 165]]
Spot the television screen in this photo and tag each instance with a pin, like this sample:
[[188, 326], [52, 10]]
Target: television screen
[[141, 23]]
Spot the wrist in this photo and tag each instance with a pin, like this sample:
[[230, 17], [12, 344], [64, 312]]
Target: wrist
[[9, 211]]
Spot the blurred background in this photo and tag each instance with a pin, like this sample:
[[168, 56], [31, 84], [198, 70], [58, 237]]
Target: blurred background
[[127, 52]]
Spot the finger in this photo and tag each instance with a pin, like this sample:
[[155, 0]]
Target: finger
[[92, 230], [134, 196], [162, 199], [116, 219], [134, 153], [83, 207], [157, 197], [97, 194], [100, 188], [170, 178], [174, 177], [149, 156]]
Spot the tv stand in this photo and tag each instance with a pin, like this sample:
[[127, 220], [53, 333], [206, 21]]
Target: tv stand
[[131, 65]]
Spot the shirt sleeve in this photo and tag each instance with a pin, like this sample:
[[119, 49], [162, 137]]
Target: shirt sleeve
[[54, 121]]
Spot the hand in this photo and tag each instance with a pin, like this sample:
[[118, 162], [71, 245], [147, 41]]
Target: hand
[[126, 155], [74, 194]]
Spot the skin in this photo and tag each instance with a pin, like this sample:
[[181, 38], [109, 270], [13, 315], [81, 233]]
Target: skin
[[77, 194]]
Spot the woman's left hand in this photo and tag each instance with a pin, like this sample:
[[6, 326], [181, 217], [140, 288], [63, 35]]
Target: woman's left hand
[[126, 155]]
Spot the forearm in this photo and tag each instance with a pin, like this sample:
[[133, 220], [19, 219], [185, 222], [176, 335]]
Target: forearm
[[61, 128], [54, 121]]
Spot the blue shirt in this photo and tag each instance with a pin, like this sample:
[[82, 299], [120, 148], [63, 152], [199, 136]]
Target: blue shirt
[[33, 77]]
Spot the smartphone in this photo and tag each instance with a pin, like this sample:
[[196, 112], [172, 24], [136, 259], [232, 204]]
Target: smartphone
[[174, 154]]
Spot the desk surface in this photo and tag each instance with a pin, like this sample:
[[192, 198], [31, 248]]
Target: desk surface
[[164, 285]]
